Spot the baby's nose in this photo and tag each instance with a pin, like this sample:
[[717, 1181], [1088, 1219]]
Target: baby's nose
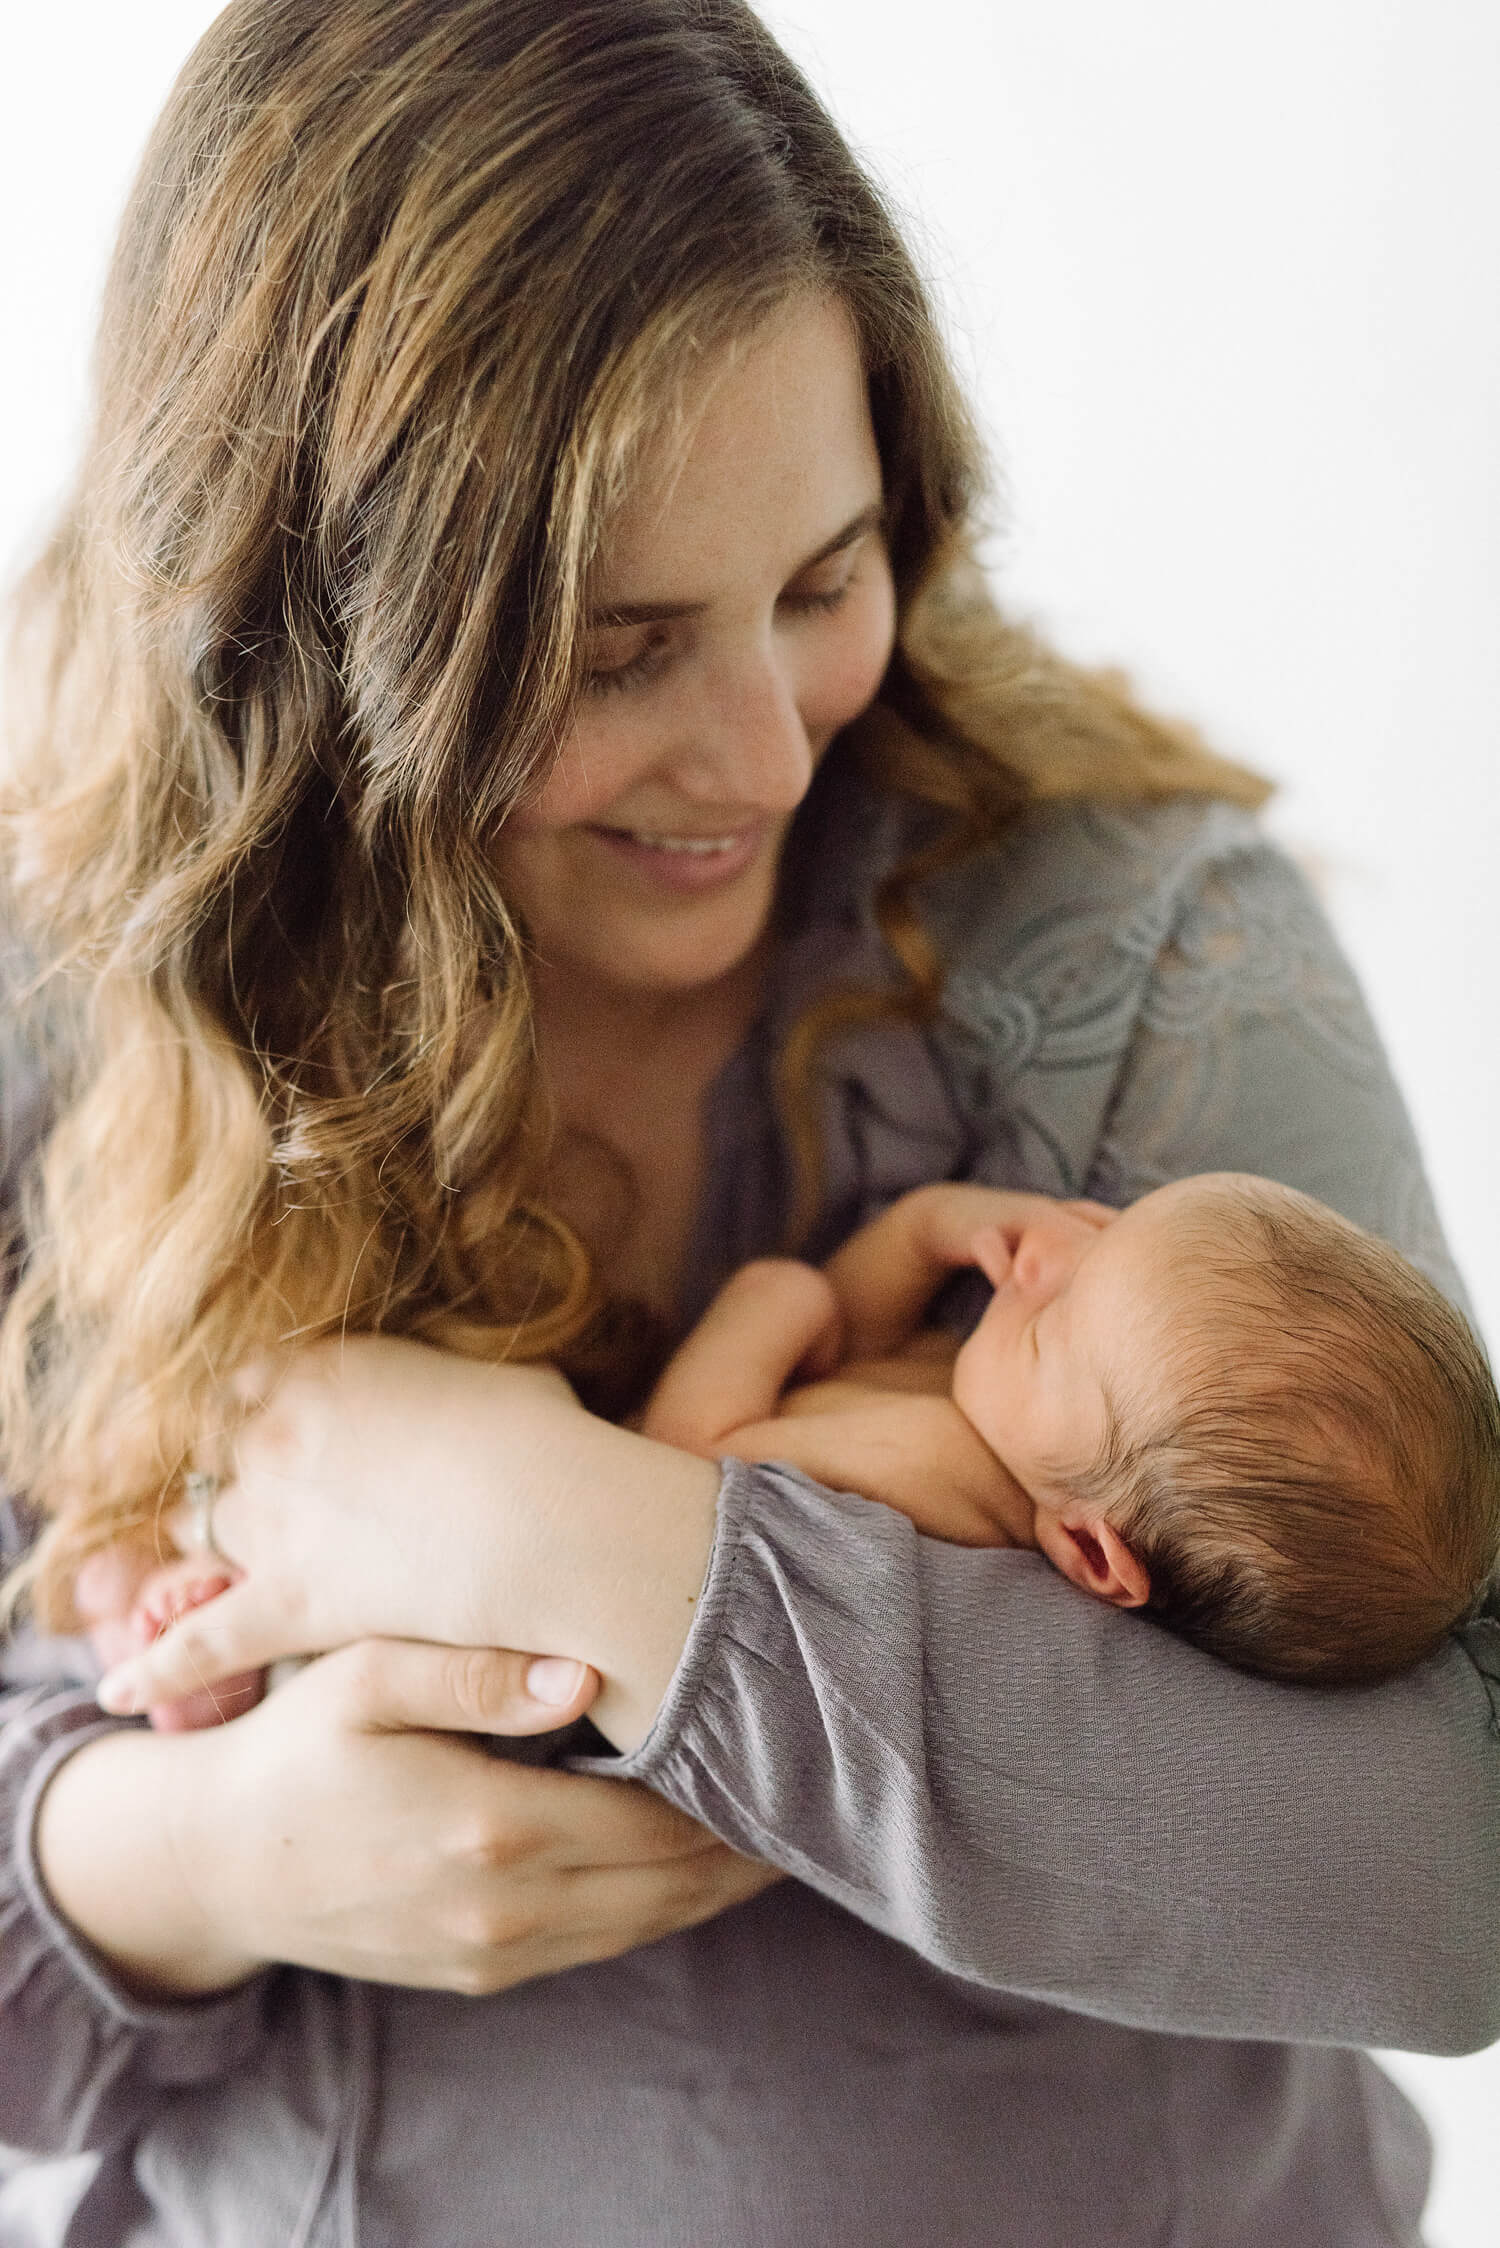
[[1046, 1255]]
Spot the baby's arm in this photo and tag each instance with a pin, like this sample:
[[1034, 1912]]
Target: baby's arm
[[770, 1320], [886, 1429], [886, 1275]]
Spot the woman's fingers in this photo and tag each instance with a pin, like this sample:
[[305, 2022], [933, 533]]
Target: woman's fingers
[[225, 1635], [409, 1686], [394, 1685], [348, 1825], [601, 1911]]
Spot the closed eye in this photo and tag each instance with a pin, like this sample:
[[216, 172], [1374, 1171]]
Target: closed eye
[[804, 602], [649, 661]]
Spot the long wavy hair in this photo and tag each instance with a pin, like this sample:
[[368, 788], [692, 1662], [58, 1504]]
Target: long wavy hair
[[401, 291]]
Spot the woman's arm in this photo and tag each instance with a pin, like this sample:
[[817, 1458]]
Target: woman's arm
[[1042, 1795], [1032, 1790], [344, 1825], [556, 1530], [193, 1861]]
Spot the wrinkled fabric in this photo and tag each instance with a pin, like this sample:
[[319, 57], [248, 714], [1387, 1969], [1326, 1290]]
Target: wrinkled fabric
[[1083, 1926]]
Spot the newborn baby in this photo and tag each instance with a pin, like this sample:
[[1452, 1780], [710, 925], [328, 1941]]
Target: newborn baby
[[1224, 1404]]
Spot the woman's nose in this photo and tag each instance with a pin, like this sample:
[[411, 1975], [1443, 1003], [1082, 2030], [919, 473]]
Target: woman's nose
[[749, 744]]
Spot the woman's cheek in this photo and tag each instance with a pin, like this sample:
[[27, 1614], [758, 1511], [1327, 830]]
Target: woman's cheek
[[596, 764], [854, 660]]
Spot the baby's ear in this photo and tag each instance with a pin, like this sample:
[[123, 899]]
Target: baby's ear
[[1092, 1555]]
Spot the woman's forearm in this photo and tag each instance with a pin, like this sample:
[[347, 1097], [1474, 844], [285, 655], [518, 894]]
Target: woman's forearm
[[118, 1848], [1041, 1794], [540, 1527], [601, 1548]]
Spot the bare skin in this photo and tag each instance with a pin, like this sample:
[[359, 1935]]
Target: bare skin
[[369, 1838]]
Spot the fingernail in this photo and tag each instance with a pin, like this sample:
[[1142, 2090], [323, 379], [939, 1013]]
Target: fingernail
[[118, 1694], [554, 1679]]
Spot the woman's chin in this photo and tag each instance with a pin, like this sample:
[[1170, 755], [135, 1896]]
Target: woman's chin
[[665, 956], [648, 974]]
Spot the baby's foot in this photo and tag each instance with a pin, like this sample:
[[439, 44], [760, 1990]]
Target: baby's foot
[[168, 1593]]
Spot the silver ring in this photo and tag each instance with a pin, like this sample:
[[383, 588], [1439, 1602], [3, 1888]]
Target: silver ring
[[200, 1491]]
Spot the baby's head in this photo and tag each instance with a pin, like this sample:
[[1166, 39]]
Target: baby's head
[[1233, 1407]]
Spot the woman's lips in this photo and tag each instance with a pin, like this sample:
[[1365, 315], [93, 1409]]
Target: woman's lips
[[685, 862]]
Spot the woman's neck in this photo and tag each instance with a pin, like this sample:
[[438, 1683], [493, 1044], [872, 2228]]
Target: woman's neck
[[628, 1074], [634, 1030]]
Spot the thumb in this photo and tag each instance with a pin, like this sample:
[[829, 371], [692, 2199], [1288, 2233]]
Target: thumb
[[411, 1685]]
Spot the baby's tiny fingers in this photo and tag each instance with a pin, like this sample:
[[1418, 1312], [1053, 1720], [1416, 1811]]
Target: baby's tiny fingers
[[211, 1643]]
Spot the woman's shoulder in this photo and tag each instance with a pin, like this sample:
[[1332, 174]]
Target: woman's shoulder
[[1088, 874], [1094, 923]]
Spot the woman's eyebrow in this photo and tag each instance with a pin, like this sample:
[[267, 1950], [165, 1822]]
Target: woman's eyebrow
[[660, 612], [868, 519]]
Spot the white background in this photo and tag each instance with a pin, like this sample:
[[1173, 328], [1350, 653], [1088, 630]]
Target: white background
[[1224, 284]]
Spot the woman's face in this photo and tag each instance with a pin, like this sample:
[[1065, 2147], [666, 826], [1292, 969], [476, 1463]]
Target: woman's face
[[744, 612]]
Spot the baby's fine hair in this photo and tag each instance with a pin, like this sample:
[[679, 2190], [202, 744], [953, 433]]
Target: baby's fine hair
[[1320, 1499]]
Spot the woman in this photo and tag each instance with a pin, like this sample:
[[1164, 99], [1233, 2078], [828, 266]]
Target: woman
[[513, 727]]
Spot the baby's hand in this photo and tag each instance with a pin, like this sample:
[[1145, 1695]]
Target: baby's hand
[[166, 1594]]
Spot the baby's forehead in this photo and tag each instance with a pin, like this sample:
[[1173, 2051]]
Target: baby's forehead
[[1224, 1220], [1218, 1197], [1194, 1261], [1221, 1258]]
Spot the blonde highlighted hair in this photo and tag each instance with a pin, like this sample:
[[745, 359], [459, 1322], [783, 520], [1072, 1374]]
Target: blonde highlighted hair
[[403, 287]]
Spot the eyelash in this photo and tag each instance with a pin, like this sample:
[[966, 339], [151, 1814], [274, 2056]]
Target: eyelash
[[833, 600], [623, 675], [650, 659]]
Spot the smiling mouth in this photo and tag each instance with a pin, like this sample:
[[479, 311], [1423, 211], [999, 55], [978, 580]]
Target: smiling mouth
[[692, 846], [685, 862]]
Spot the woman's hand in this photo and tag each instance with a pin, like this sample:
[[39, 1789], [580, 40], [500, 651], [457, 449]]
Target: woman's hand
[[339, 1826], [386, 1490]]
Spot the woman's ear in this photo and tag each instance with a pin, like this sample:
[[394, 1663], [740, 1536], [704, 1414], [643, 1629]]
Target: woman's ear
[[1092, 1555]]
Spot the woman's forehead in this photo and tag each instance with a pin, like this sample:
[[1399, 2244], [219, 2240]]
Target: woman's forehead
[[774, 452]]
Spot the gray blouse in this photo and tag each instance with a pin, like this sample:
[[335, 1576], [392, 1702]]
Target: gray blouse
[[1084, 1928]]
